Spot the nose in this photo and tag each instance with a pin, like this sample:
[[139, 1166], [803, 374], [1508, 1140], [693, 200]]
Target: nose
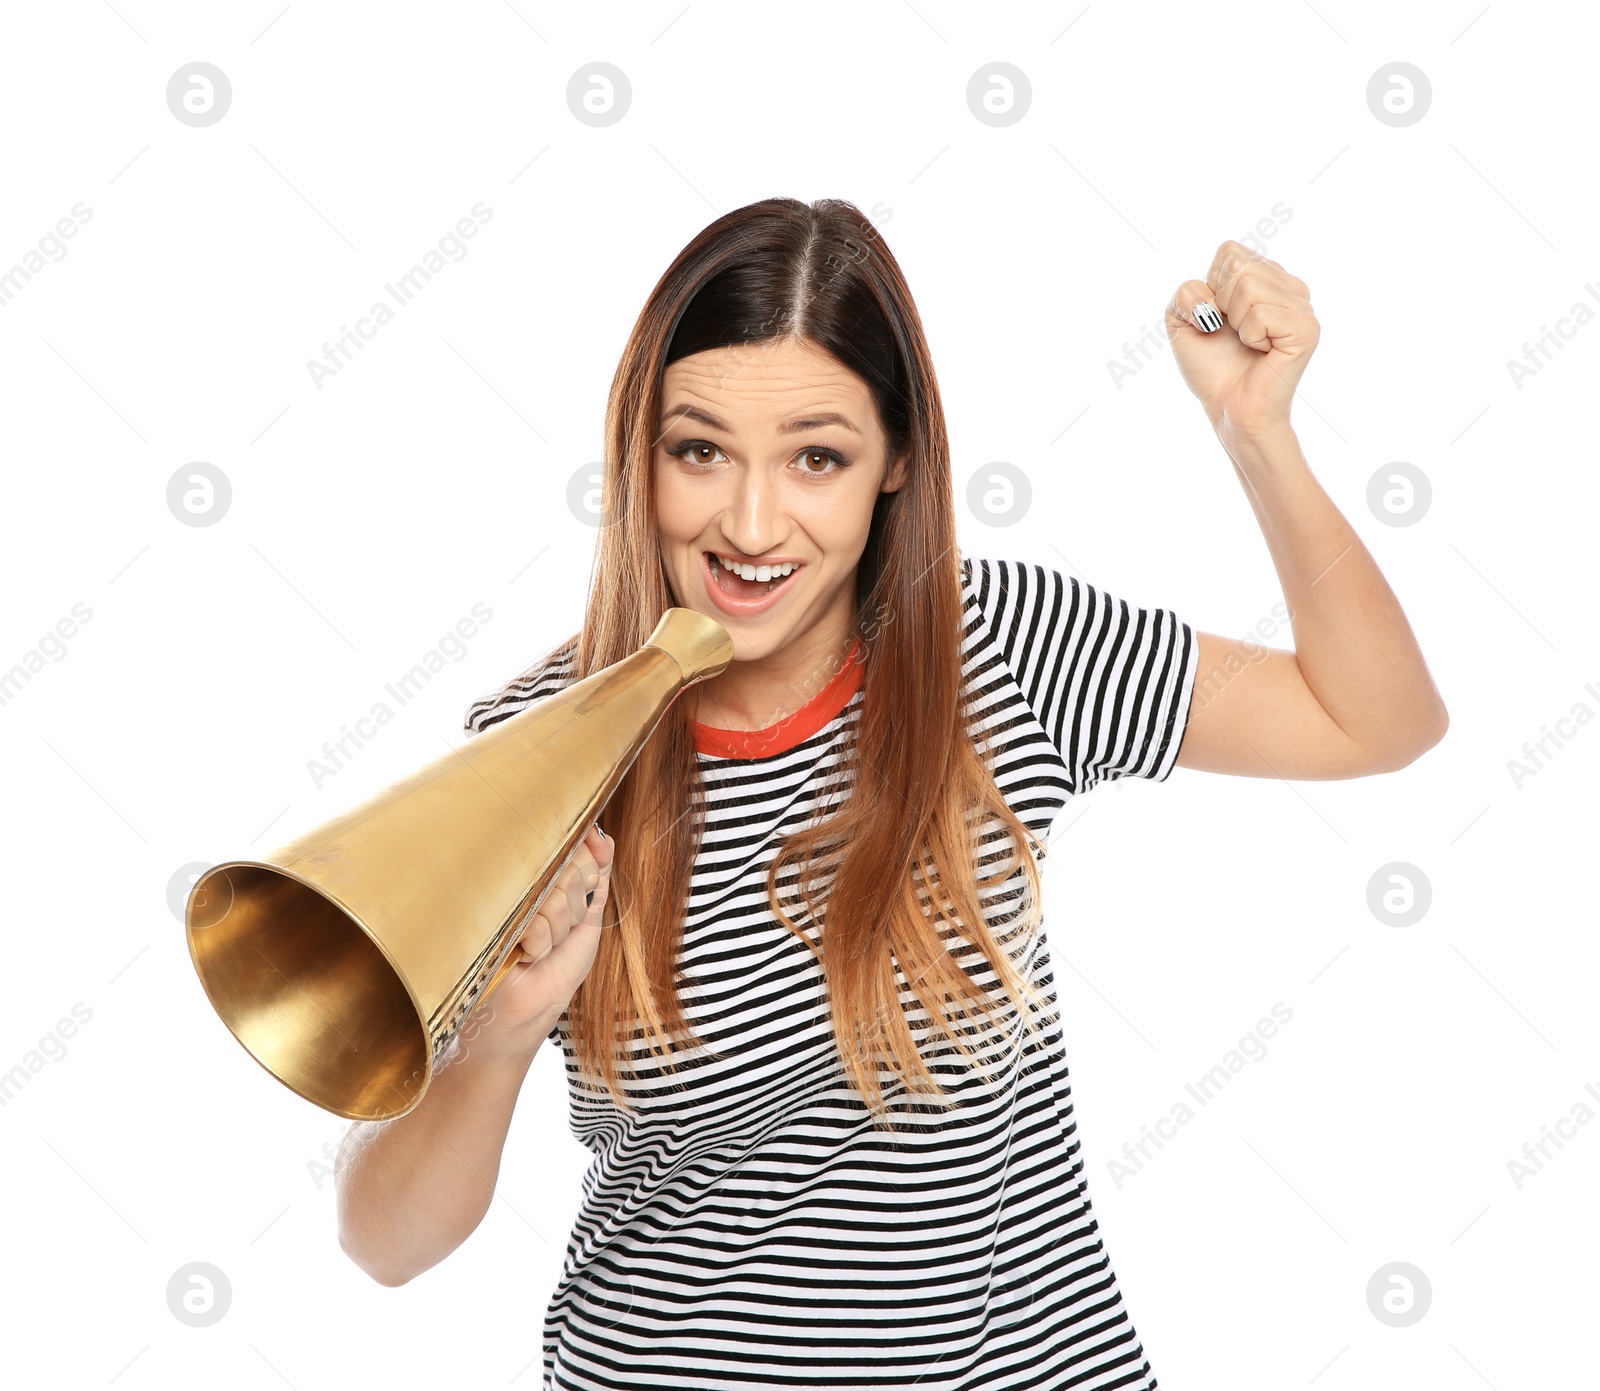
[[752, 519]]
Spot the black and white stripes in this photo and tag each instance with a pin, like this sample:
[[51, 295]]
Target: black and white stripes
[[749, 1227], [1103, 678]]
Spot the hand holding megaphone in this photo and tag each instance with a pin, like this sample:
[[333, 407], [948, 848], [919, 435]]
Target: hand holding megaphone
[[346, 960], [553, 955]]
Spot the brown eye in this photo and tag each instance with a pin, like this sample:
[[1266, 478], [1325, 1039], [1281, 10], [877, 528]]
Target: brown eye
[[692, 451], [809, 457]]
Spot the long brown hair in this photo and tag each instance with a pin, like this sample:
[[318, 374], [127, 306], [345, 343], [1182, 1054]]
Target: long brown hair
[[820, 273]]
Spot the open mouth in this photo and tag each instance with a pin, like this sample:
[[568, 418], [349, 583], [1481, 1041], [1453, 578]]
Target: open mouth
[[739, 589]]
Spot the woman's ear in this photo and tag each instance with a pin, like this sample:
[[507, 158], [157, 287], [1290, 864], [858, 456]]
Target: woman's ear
[[897, 474]]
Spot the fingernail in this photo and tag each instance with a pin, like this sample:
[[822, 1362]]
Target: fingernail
[[1206, 318]]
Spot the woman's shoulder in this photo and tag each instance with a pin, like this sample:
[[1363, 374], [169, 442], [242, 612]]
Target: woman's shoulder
[[548, 674], [1007, 589], [985, 573]]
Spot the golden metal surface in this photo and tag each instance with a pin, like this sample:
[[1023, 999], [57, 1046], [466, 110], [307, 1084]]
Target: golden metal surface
[[346, 960]]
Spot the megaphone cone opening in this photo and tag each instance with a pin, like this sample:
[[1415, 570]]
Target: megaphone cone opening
[[307, 992]]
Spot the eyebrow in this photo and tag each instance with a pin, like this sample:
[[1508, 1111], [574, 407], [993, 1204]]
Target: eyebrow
[[789, 427]]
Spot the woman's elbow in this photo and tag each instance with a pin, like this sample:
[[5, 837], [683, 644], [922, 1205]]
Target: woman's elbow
[[387, 1276], [1404, 754]]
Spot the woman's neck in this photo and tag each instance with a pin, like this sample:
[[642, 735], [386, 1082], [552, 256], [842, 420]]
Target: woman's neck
[[756, 695]]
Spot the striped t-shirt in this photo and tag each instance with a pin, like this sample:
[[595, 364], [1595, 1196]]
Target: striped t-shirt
[[749, 1226]]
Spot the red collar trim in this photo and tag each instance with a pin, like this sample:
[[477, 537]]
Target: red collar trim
[[792, 730]]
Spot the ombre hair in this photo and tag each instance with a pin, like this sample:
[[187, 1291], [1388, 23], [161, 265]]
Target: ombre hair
[[892, 873]]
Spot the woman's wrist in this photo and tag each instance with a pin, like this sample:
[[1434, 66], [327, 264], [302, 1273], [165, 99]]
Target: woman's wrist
[[1246, 443], [505, 1046]]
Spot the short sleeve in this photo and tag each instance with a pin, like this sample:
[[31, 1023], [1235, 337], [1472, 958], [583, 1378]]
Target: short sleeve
[[549, 674], [1110, 683]]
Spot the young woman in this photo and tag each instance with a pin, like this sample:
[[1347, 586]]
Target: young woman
[[818, 1055]]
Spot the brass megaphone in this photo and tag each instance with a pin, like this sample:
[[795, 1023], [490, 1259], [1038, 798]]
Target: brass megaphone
[[347, 960]]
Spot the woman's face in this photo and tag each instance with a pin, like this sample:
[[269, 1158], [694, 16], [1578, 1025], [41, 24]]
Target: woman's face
[[768, 452]]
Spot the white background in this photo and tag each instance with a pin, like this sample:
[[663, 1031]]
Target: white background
[[430, 474]]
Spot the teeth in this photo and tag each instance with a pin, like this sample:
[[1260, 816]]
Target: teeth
[[760, 573]]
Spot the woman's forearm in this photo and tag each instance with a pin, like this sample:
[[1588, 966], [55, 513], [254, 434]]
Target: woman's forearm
[[412, 1189], [1354, 646]]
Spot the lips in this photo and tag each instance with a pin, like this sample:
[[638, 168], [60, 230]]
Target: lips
[[743, 598]]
